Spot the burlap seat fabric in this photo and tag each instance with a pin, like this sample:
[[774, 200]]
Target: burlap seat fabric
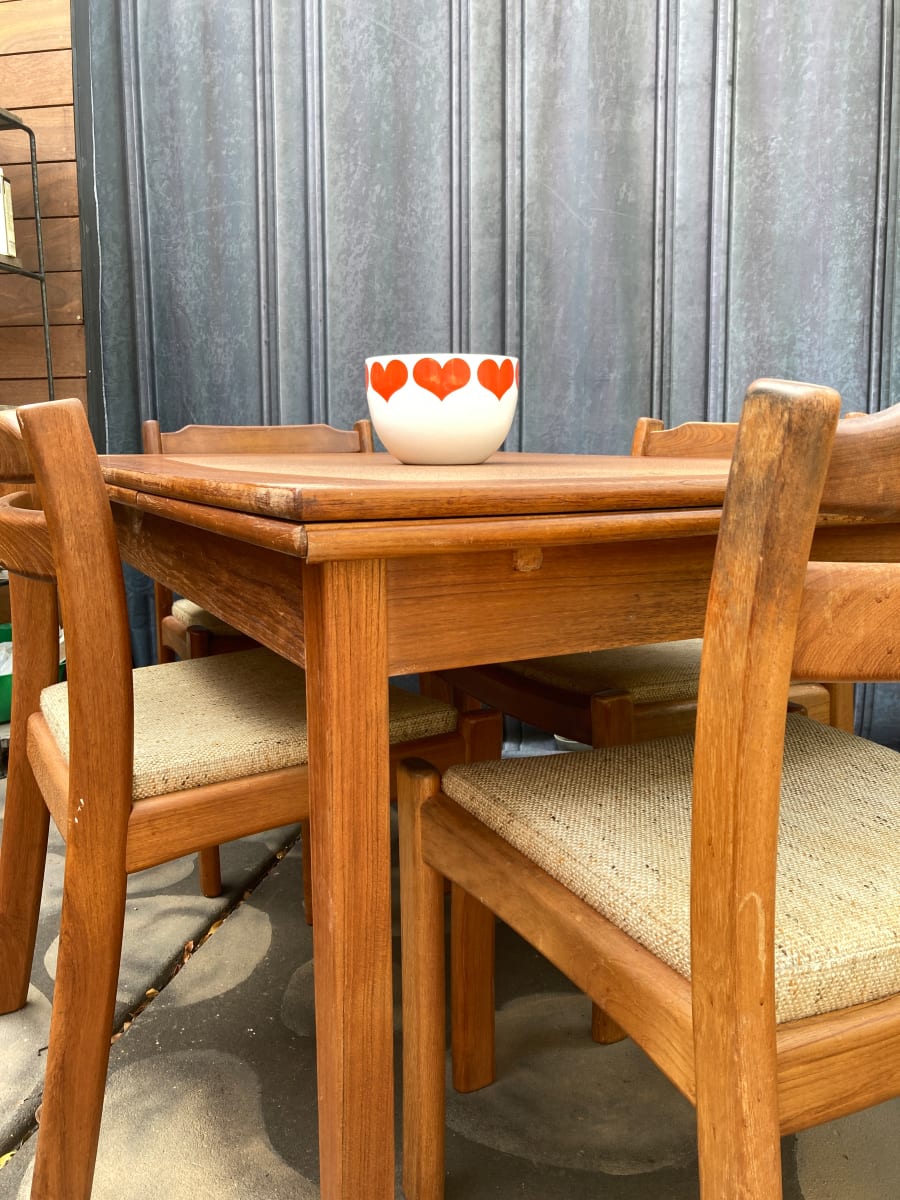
[[614, 826], [653, 674], [207, 720], [189, 613]]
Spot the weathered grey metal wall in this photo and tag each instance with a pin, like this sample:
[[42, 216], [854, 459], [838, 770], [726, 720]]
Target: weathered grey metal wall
[[650, 201]]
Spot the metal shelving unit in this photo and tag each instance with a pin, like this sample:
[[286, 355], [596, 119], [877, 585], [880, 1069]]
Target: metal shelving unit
[[14, 265]]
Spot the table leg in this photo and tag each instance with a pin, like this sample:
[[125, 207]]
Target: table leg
[[346, 660]]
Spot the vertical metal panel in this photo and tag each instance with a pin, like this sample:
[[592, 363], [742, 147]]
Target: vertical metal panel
[[664, 206], [650, 201], [589, 93], [460, 258], [388, 155], [886, 286], [197, 148], [690, 257], [805, 194], [720, 207]]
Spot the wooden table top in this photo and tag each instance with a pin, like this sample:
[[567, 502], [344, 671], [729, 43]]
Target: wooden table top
[[366, 487]]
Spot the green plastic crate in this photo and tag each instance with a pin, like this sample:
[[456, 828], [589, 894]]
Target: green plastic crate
[[6, 680]]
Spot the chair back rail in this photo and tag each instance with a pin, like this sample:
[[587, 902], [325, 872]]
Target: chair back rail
[[92, 603], [172, 641], [693, 439], [24, 540], [14, 464], [863, 478], [257, 439]]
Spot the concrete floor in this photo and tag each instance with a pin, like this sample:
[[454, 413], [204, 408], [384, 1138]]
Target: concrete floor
[[212, 1088]]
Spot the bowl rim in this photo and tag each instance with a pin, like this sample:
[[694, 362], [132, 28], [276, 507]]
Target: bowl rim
[[440, 355]]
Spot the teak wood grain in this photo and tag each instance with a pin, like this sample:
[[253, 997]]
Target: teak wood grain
[[20, 300], [54, 136], [28, 25], [40, 78], [34, 391], [22, 352], [327, 488], [60, 236]]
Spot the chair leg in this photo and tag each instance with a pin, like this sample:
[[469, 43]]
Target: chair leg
[[736, 1080], [210, 871], [842, 705], [472, 944], [26, 822], [737, 1157], [612, 724], [604, 1030], [306, 850], [424, 1037], [90, 946], [472, 992], [23, 856]]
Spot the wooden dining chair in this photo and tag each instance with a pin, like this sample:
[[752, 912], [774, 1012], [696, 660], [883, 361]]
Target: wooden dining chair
[[647, 872], [628, 694], [187, 630], [136, 767]]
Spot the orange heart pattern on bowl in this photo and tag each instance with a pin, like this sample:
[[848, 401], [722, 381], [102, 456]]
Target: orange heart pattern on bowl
[[497, 379], [389, 379], [441, 380]]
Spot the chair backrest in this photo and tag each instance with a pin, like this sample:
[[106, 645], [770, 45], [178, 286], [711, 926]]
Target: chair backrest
[[258, 439], [245, 439], [716, 439], [693, 439], [772, 615], [73, 537]]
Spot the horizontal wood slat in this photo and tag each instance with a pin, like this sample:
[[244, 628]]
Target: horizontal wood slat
[[20, 299], [34, 391], [57, 188], [62, 245], [30, 80], [34, 25], [36, 84], [22, 351], [54, 136]]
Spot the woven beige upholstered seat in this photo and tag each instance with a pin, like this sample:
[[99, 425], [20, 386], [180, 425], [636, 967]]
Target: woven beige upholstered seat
[[660, 672], [188, 613], [614, 826], [210, 719]]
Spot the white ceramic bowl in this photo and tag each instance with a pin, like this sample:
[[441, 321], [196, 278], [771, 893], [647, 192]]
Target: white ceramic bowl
[[442, 408]]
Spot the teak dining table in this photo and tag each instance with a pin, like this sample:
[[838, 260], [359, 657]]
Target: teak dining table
[[358, 567]]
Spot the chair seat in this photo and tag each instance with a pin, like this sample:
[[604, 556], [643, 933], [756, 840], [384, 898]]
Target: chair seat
[[188, 613], [657, 673], [207, 720], [614, 826]]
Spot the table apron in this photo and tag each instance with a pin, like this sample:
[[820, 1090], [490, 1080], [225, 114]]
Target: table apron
[[255, 589], [464, 609]]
